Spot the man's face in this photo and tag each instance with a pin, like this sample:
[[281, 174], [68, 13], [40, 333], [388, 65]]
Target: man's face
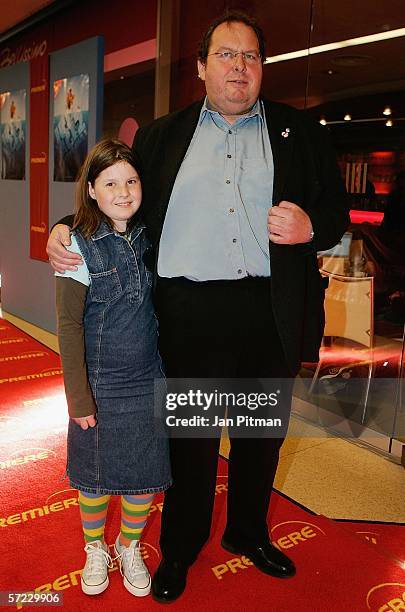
[[232, 87]]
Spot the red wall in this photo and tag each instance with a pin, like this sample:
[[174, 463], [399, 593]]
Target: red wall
[[122, 24]]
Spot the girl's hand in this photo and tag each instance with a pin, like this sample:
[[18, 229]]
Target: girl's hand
[[86, 422]]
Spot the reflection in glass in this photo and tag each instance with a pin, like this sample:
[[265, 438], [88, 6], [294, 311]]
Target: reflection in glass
[[357, 92]]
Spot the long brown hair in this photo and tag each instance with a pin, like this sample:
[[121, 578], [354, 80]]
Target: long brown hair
[[104, 154]]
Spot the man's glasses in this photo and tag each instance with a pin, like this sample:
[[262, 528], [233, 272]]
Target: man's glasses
[[229, 57]]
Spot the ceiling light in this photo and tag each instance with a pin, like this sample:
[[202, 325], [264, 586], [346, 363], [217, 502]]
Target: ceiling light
[[347, 117], [322, 121], [389, 123], [341, 44], [387, 111], [122, 77], [329, 72]]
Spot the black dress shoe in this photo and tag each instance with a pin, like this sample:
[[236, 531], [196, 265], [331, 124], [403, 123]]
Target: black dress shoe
[[169, 581], [266, 557]]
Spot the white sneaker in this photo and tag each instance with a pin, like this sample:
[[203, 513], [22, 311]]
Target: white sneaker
[[136, 576], [94, 577]]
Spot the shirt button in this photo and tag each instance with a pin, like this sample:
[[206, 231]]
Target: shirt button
[[234, 240], [228, 181], [231, 210], [239, 271], [229, 156]]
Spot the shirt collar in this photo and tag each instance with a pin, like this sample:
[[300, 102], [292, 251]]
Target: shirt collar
[[256, 109]]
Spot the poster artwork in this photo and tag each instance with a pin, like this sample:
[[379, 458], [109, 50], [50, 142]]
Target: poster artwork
[[12, 129], [70, 125]]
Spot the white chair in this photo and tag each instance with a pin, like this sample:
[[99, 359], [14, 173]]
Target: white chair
[[349, 314]]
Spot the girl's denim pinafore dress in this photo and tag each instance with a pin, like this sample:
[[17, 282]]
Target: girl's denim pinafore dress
[[124, 453]]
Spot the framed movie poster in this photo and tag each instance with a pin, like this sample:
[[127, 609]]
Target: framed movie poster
[[70, 126], [13, 129]]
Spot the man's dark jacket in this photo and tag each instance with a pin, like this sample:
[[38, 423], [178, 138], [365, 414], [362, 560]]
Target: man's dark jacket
[[305, 172]]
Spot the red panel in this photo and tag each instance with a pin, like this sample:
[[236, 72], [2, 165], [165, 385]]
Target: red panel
[[39, 126], [121, 24], [382, 157], [366, 216], [382, 187]]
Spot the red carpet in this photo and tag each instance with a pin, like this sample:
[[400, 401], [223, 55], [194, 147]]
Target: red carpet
[[341, 565]]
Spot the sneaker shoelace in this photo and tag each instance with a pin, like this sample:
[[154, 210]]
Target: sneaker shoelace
[[97, 558], [131, 558]]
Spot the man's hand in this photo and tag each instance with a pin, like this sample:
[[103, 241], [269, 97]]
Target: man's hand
[[287, 223], [60, 258], [86, 422]]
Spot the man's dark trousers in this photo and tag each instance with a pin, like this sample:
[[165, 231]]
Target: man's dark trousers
[[218, 329]]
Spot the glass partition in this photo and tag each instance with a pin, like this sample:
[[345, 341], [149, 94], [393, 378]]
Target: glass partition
[[356, 87], [129, 94]]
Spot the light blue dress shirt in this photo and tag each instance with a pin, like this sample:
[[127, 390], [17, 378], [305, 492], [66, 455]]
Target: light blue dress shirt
[[216, 222]]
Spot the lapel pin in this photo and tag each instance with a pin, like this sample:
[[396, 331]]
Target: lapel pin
[[286, 133]]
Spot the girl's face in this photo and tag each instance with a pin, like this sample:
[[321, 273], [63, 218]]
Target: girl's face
[[118, 193]]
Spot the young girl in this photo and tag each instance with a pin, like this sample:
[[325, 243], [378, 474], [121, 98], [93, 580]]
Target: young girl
[[108, 343]]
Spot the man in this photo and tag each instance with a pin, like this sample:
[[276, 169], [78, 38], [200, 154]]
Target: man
[[230, 304]]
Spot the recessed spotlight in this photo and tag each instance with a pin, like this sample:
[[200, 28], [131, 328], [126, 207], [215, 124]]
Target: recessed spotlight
[[389, 123], [122, 77], [387, 111], [322, 121], [347, 117]]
